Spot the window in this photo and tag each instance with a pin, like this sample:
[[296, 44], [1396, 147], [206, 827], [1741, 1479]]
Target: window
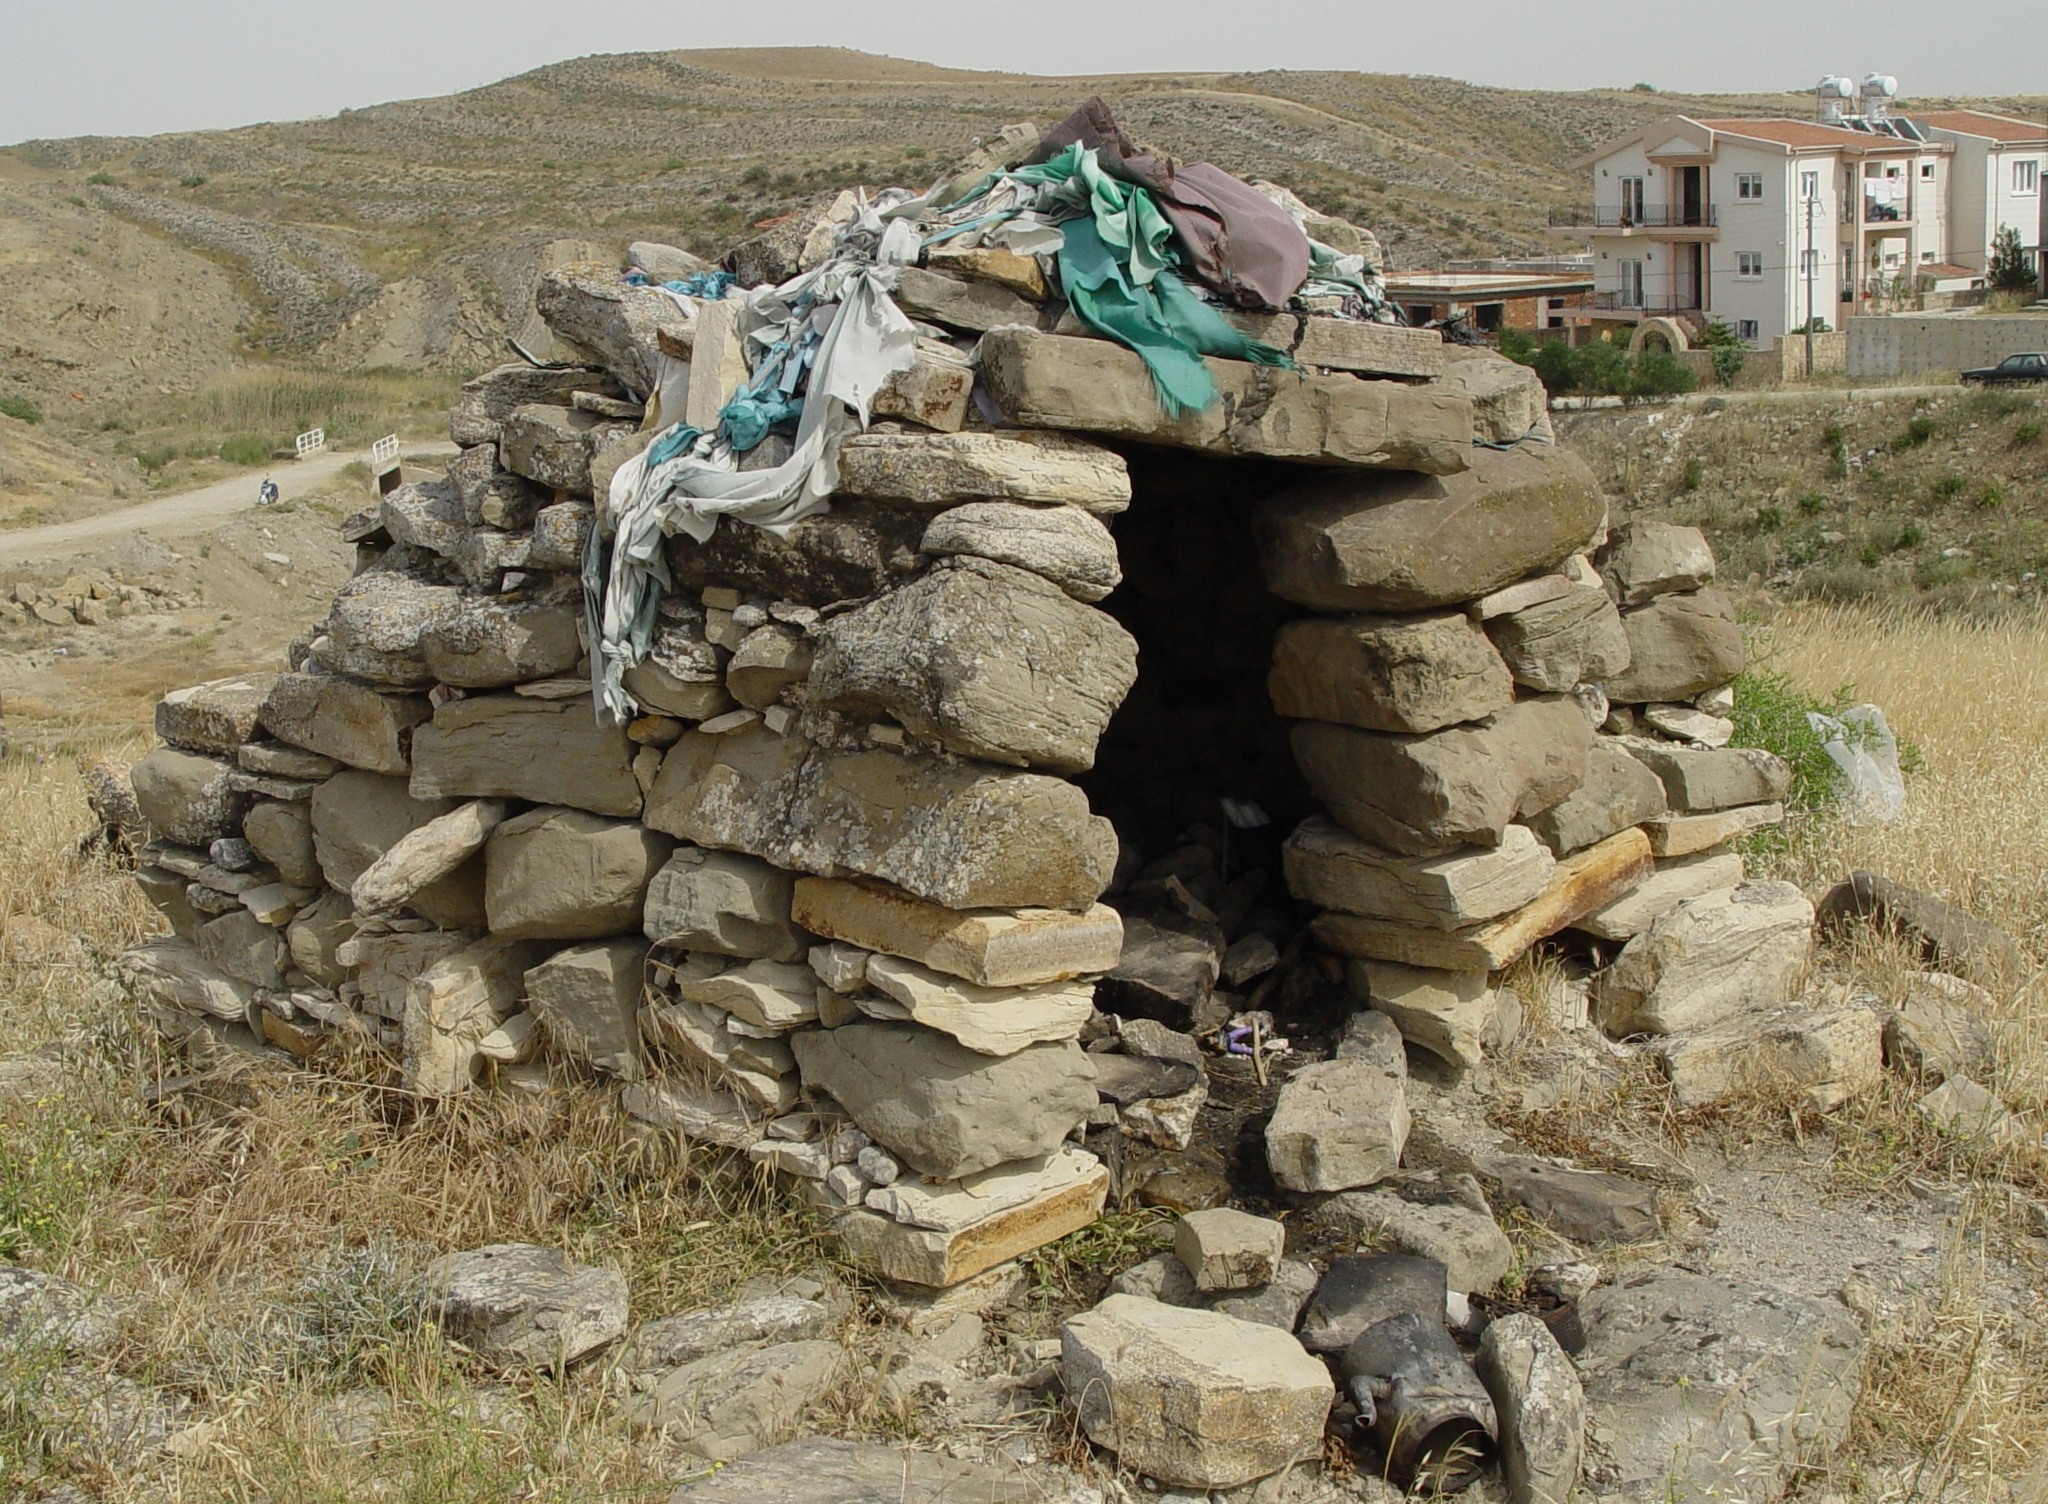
[[1749, 265], [1928, 257], [1631, 293], [1631, 201], [1809, 185], [1927, 171], [2026, 176], [1749, 186], [1746, 331]]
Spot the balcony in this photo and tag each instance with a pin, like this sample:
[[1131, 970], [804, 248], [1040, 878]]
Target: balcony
[[1644, 304], [1649, 218]]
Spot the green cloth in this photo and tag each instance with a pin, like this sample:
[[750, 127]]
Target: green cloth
[[1169, 327]]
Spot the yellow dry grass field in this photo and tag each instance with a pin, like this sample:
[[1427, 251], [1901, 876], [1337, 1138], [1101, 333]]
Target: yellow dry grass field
[[262, 1233]]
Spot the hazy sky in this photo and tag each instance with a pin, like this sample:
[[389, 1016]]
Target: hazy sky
[[130, 67]]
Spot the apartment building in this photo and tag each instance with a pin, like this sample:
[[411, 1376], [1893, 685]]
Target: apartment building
[[1764, 223], [1994, 180]]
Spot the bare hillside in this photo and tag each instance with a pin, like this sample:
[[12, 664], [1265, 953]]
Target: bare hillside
[[410, 233]]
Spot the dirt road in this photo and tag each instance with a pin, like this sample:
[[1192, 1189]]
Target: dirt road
[[189, 511]]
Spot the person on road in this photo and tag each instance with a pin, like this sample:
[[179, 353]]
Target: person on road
[[266, 494]]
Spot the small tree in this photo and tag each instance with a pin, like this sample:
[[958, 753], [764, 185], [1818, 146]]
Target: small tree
[[1725, 349], [2009, 270]]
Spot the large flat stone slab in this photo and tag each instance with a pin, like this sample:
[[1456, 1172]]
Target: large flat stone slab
[[988, 947], [1333, 869], [988, 1020], [217, 716], [1679, 646], [1580, 883], [1731, 952], [960, 834], [944, 470], [345, 719], [936, 1258], [1406, 542], [1094, 386], [514, 747]]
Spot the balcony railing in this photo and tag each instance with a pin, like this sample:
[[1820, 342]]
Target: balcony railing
[[1648, 217], [1646, 302]]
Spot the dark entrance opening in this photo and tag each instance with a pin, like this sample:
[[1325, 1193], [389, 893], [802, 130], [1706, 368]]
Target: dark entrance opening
[[1197, 741]]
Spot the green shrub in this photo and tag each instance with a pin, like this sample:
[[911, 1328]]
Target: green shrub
[[1694, 473], [246, 449], [2010, 270], [2026, 433], [1518, 345], [1727, 351], [23, 409], [1770, 712], [1656, 373], [1769, 519], [1919, 429], [1812, 502], [1990, 495], [100, 179], [1948, 487], [192, 180], [1912, 535], [156, 457]]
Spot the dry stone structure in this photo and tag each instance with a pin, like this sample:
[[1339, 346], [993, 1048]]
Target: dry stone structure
[[922, 786]]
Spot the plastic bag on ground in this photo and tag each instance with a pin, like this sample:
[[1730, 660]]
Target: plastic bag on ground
[[1868, 782]]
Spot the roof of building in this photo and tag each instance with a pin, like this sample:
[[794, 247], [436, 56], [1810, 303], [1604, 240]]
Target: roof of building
[[2002, 128], [1437, 286], [1774, 130], [1946, 270]]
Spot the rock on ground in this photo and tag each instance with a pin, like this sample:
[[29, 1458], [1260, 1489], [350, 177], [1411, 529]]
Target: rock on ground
[[735, 1402], [1193, 1398], [519, 1305], [817, 1470], [1711, 1388], [1540, 1405], [1338, 1124], [1741, 950]]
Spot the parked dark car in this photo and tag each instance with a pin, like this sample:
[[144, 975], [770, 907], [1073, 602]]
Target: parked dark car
[[2011, 371]]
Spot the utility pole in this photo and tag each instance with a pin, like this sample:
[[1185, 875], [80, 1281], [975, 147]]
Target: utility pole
[[1812, 203]]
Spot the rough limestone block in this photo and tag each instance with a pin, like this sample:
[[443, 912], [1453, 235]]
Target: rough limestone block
[[935, 391], [1619, 791], [1405, 542], [989, 947], [1447, 1220], [487, 644], [682, 674], [587, 304], [487, 400], [1726, 953], [560, 533], [1575, 639], [1333, 869], [1224, 1249], [512, 747], [942, 1108], [315, 935], [589, 998], [1062, 544], [1444, 1012], [423, 856], [724, 902], [759, 1073], [767, 661], [173, 974], [957, 834], [1670, 885], [1509, 402], [282, 834], [943, 470], [1942, 1030], [1699, 779], [1426, 795], [1338, 1124], [375, 626], [939, 1258], [428, 515], [344, 719], [552, 446], [1826, 1056], [1388, 673], [243, 947], [1193, 1398], [772, 995], [1646, 559], [566, 874], [359, 816], [988, 660], [972, 304], [517, 1305], [492, 496], [452, 1005], [217, 716], [185, 796], [1580, 883], [1679, 646], [1541, 1406], [718, 364], [988, 1020], [857, 549], [1095, 386], [1347, 344]]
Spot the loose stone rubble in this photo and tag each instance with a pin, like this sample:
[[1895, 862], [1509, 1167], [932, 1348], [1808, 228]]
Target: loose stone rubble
[[873, 887]]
